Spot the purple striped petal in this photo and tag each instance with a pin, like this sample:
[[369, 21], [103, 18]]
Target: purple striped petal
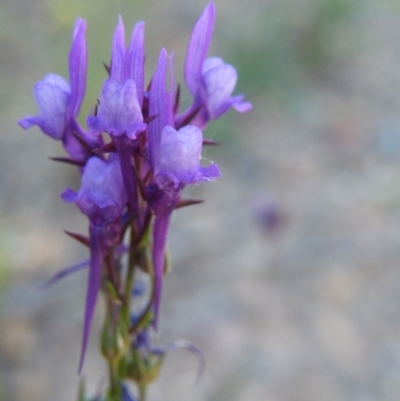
[[118, 53], [77, 67], [159, 107], [134, 62], [179, 159], [199, 44], [102, 195], [52, 95], [119, 111]]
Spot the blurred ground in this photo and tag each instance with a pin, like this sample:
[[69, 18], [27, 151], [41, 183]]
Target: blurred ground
[[305, 310]]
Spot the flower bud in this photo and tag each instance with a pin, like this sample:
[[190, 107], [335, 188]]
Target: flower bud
[[144, 367], [114, 336]]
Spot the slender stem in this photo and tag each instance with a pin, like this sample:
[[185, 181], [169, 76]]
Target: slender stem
[[142, 391], [134, 329], [115, 389], [131, 271], [112, 278]]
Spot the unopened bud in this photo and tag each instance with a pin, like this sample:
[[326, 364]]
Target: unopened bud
[[114, 336]]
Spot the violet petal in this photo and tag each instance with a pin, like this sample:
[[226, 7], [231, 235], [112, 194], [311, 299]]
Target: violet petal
[[77, 67], [134, 63], [219, 81], [179, 155], [161, 106], [52, 95], [119, 111], [118, 53], [198, 47]]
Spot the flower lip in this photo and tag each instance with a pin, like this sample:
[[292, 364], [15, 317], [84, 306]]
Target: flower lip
[[121, 99], [52, 95], [119, 111], [210, 81], [102, 194], [179, 159]]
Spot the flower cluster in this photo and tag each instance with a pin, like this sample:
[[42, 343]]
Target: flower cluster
[[136, 156]]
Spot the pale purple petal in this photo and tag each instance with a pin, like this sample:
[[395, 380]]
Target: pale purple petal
[[210, 173], [160, 106], [179, 157], [52, 95], [241, 106], [118, 53], [198, 48], [219, 81], [77, 67], [119, 111], [134, 62], [102, 194]]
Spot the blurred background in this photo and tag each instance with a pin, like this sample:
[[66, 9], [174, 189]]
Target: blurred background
[[287, 277]]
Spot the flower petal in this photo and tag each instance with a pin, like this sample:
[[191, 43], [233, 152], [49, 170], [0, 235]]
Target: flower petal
[[102, 194], [160, 106], [119, 111], [135, 60], [179, 156], [219, 83], [210, 173], [77, 67], [241, 106], [198, 47], [52, 95], [118, 53]]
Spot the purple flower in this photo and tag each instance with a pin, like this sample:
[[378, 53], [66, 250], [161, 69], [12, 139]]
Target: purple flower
[[210, 81], [102, 198], [119, 111], [59, 101], [102, 194], [175, 160], [52, 96], [179, 159]]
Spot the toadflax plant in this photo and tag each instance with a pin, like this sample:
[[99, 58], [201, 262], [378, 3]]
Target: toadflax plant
[[136, 156]]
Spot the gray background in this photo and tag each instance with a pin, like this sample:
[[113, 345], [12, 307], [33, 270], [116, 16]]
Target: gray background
[[309, 311]]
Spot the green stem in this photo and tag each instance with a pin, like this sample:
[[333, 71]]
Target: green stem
[[115, 389], [131, 271], [142, 391]]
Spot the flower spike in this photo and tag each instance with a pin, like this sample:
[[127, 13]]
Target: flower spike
[[117, 72], [59, 102]]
